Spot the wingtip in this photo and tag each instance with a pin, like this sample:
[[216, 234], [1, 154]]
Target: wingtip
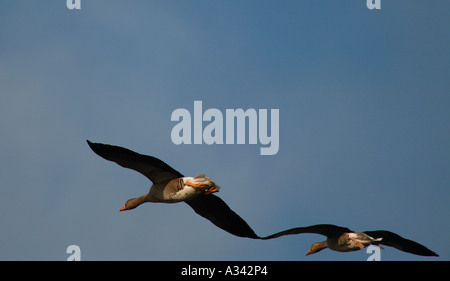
[[429, 254], [90, 144]]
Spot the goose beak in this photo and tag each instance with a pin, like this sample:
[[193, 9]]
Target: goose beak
[[123, 208], [308, 253]]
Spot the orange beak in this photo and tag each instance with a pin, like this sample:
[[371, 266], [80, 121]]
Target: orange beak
[[123, 208], [308, 253]]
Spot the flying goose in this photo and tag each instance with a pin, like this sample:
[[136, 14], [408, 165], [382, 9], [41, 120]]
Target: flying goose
[[170, 186], [342, 239]]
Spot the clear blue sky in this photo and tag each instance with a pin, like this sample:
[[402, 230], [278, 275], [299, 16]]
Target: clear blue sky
[[363, 99]]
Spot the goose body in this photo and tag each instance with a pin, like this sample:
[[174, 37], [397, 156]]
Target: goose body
[[350, 241], [170, 186], [178, 190], [342, 239]]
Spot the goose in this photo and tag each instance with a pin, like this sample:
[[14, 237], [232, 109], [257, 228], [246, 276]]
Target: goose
[[170, 186], [342, 239]]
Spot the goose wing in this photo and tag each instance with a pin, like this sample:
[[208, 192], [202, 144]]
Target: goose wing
[[154, 169], [398, 242], [328, 230], [217, 211]]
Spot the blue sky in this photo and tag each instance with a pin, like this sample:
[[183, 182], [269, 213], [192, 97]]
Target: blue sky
[[363, 98]]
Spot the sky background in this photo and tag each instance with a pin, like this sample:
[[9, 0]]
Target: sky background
[[363, 97]]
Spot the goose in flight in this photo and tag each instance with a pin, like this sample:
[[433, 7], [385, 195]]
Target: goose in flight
[[170, 186], [342, 239]]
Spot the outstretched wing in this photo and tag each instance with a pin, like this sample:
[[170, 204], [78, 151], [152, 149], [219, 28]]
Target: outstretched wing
[[324, 229], [403, 244], [154, 169], [217, 211]]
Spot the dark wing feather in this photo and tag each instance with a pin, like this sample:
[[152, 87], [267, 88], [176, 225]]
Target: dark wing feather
[[154, 169], [328, 230], [403, 244], [217, 211]]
